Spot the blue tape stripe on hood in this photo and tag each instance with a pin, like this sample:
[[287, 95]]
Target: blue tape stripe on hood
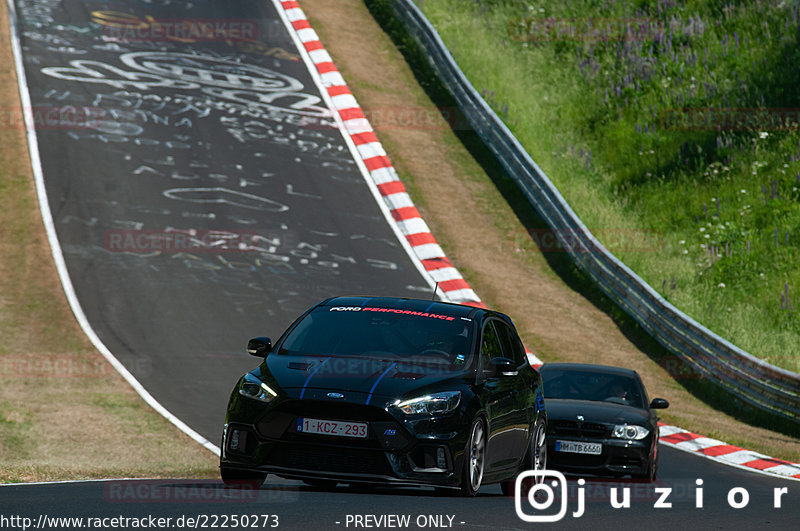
[[378, 380], [311, 376]]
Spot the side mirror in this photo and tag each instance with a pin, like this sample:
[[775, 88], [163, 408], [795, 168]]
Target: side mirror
[[502, 367], [659, 403], [259, 346]]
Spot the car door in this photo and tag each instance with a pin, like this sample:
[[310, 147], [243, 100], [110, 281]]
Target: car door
[[500, 396], [523, 401]]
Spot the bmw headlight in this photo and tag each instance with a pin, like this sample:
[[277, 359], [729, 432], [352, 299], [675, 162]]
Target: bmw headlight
[[433, 404], [252, 387], [629, 431]]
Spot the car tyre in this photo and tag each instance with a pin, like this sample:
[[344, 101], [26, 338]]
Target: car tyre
[[474, 459], [234, 477], [538, 455], [651, 473]]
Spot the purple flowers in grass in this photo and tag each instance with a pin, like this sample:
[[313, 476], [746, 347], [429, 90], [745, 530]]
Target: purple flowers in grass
[[786, 304]]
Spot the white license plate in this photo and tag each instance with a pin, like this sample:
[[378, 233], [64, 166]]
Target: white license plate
[[332, 427], [575, 447]]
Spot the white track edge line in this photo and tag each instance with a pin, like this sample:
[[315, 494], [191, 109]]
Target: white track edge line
[[94, 480], [55, 246]]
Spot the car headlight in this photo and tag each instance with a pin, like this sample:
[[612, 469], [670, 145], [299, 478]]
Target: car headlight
[[252, 387], [433, 404], [629, 431]]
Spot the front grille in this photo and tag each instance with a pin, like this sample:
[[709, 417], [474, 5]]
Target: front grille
[[329, 459], [565, 427], [592, 430]]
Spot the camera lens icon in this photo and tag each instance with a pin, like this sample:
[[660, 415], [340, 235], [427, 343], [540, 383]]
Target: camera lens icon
[[541, 495]]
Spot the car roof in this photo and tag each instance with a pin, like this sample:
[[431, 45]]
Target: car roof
[[416, 305], [590, 367]]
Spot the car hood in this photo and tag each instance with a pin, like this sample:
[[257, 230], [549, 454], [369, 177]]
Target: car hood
[[592, 411], [357, 378]]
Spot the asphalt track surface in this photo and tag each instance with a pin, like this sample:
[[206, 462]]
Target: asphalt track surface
[[231, 139], [170, 137]]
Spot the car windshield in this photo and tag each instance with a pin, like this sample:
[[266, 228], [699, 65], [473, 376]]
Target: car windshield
[[394, 334], [596, 386]]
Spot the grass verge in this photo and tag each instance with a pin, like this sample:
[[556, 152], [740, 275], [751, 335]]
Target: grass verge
[[678, 121], [64, 412]]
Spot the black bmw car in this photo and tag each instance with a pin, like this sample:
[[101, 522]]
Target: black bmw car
[[386, 390], [600, 420]]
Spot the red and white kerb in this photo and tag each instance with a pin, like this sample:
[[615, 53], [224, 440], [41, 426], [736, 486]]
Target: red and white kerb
[[726, 453], [405, 214]]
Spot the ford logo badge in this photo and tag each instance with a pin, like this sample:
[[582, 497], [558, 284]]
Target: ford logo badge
[[335, 395]]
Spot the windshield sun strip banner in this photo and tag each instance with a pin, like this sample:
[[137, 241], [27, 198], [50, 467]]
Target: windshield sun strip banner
[[397, 311]]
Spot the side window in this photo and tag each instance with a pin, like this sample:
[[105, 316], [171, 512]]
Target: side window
[[640, 393], [520, 350], [512, 346], [490, 345]]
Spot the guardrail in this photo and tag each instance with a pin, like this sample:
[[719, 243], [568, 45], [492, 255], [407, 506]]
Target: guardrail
[[759, 383]]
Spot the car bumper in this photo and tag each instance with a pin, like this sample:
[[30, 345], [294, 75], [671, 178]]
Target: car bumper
[[618, 457], [397, 452]]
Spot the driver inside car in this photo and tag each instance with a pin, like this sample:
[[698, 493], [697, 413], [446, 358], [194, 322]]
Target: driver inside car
[[619, 391], [455, 346]]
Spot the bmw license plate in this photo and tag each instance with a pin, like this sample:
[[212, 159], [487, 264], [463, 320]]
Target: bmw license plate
[[332, 427], [575, 447]]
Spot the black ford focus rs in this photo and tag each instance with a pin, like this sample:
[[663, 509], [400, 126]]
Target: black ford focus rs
[[386, 390]]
